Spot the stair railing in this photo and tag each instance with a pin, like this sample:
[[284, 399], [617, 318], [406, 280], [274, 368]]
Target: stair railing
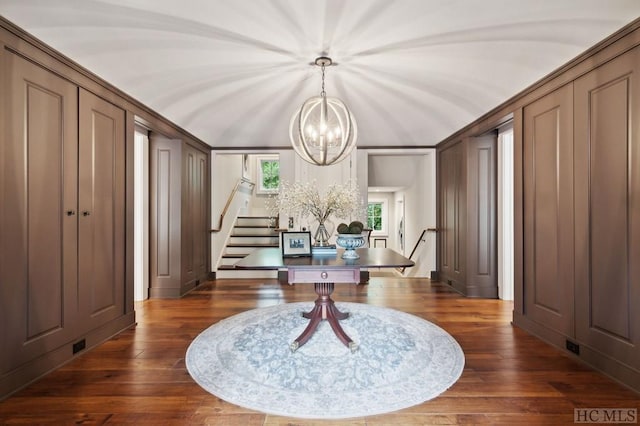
[[421, 239], [241, 181]]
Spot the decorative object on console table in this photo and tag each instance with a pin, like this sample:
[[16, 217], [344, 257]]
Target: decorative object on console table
[[328, 250], [296, 244], [302, 199], [350, 242], [350, 238], [323, 232]]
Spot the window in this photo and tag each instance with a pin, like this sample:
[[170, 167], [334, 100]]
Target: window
[[377, 216], [374, 216], [268, 174]]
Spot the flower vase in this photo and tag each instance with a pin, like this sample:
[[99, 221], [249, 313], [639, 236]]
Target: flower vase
[[323, 233]]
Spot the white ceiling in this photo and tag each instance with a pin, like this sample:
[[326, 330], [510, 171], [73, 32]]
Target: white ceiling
[[232, 72]]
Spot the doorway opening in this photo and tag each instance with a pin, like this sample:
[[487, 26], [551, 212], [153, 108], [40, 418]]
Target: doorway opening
[[141, 214], [403, 185], [505, 212]]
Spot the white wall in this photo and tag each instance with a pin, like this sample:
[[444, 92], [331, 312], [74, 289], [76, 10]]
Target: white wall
[[361, 173], [399, 210], [226, 170], [415, 169], [259, 203], [141, 215], [390, 232], [505, 214], [420, 213], [396, 170], [325, 176], [415, 173]]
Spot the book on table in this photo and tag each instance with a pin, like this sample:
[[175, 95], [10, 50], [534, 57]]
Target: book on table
[[324, 250]]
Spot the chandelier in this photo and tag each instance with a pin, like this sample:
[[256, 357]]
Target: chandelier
[[323, 131]]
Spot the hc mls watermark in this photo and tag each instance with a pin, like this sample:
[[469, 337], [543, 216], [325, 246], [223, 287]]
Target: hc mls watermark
[[605, 415]]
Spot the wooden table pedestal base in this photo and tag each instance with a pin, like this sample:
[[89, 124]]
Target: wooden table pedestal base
[[324, 309]]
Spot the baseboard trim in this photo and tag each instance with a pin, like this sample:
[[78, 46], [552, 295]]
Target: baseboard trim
[[610, 367], [20, 377]]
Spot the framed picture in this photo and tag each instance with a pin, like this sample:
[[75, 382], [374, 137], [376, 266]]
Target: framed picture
[[296, 244]]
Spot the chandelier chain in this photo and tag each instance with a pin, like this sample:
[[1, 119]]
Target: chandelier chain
[[322, 93]]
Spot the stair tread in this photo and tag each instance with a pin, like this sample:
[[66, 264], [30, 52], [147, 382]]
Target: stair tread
[[265, 239]]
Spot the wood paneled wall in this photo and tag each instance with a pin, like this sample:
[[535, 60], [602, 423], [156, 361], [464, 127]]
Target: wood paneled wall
[[467, 237], [482, 216], [62, 221], [548, 209], [452, 172], [101, 211], [66, 208], [581, 168], [577, 205], [607, 211], [196, 217], [179, 216], [39, 220]]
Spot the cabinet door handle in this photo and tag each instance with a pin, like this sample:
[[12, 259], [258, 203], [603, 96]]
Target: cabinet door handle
[[71, 212], [86, 213]]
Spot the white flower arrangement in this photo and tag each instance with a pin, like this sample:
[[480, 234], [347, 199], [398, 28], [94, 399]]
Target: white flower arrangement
[[303, 199]]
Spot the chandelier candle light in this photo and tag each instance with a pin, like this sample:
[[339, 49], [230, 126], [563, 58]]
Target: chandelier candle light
[[323, 131]]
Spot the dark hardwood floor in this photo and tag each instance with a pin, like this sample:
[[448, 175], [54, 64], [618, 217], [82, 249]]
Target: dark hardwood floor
[[139, 377]]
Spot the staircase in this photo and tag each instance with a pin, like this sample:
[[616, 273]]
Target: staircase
[[249, 233]]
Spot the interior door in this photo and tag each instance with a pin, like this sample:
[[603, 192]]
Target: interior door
[[101, 251], [452, 215], [195, 218], [608, 209], [165, 215], [548, 210], [38, 212], [481, 243]]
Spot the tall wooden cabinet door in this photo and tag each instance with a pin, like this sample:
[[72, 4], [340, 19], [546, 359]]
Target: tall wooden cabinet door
[[202, 237], [101, 250], [482, 246], [195, 223], [38, 212], [607, 174], [165, 212], [452, 173], [548, 210]]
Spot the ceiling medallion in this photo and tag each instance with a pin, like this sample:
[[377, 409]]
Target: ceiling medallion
[[323, 131]]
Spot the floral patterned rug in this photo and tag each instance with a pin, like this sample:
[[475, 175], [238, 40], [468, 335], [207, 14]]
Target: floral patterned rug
[[401, 361]]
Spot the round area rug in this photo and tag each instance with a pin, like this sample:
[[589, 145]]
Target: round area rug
[[402, 360]]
